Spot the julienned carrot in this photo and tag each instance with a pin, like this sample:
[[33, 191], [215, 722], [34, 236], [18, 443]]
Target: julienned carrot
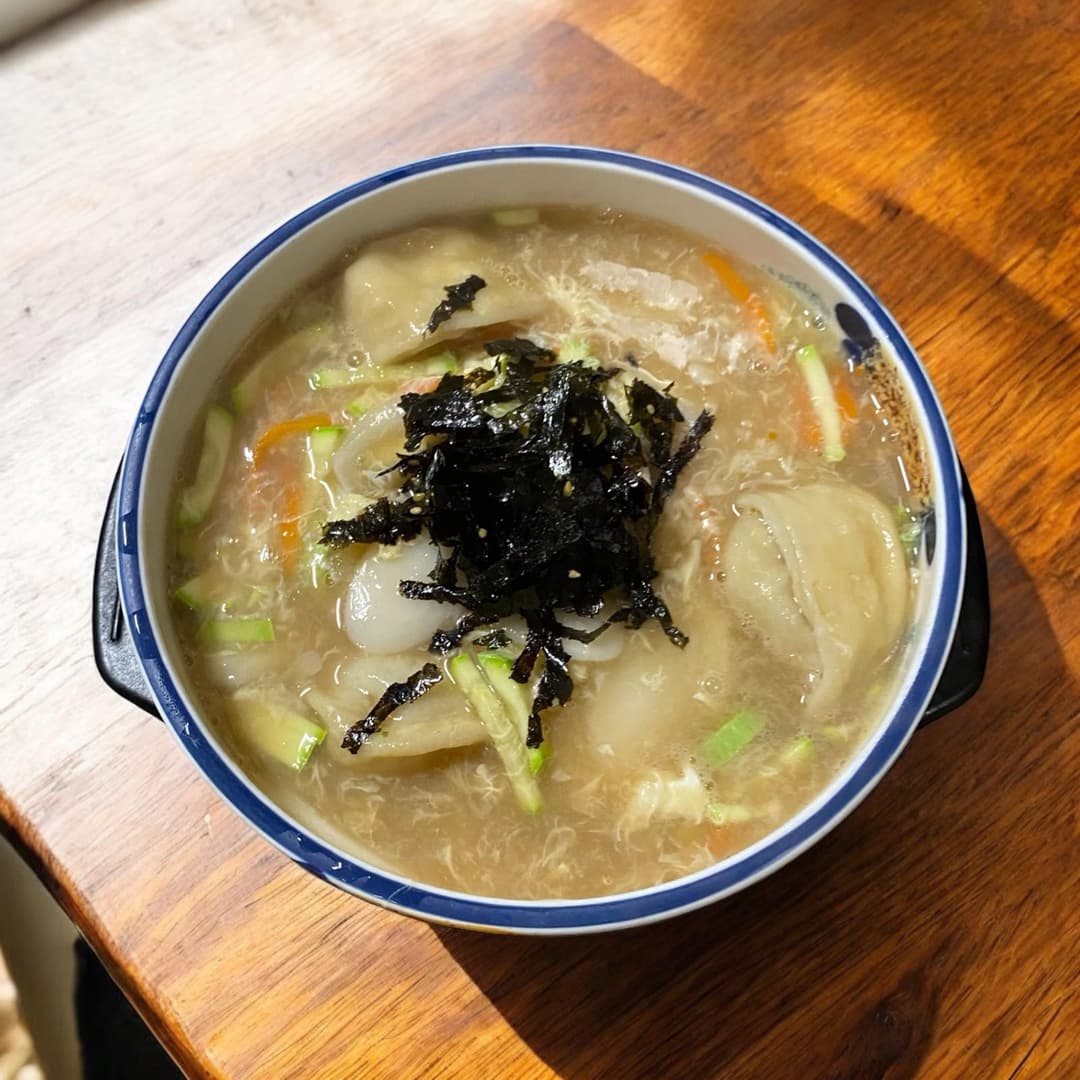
[[289, 527], [276, 432], [424, 385], [743, 294], [844, 399]]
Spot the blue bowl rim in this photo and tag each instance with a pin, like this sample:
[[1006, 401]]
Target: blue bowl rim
[[558, 916]]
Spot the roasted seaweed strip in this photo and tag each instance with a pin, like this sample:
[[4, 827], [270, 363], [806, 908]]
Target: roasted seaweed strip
[[543, 498], [459, 297], [395, 695]]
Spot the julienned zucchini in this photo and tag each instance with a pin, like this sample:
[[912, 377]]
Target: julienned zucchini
[[515, 216], [733, 736], [517, 700], [440, 363], [193, 593], [322, 442], [283, 734], [823, 400], [197, 498], [336, 378], [799, 753], [501, 729]]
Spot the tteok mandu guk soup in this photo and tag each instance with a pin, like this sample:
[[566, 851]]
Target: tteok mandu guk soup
[[547, 553]]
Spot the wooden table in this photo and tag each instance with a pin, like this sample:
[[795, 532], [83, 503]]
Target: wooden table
[[935, 933]]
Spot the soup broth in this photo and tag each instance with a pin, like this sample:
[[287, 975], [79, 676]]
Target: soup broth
[[785, 553]]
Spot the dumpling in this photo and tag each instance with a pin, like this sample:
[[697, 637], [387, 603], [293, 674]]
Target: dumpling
[[390, 291], [820, 573], [640, 701]]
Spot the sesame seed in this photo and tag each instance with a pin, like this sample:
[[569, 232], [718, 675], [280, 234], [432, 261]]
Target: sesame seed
[[416, 510], [482, 533], [574, 574], [568, 488]]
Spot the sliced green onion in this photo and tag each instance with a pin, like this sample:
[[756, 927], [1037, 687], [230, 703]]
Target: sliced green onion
[[283, 734], [823, 400], [239, 631], [733, 736], [357, 407], [197, 498], [517, 217], [501, 729]]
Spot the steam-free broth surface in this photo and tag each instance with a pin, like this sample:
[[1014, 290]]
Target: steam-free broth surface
[[785, 554]]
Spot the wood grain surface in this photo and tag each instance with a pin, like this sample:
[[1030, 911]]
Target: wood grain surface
[[935, 933]]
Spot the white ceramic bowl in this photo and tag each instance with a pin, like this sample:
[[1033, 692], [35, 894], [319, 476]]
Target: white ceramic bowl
[[477, 180]]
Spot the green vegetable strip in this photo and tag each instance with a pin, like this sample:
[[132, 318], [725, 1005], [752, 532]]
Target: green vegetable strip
[[322, 442], [335, 378], [574, 350], [516, 217], [440, 364], [823, 400], [728, 813], [733, 736], [283, 734], [798, 753], [516, 699], [193, 593], [197, 498], [236, 631], [503, 732]]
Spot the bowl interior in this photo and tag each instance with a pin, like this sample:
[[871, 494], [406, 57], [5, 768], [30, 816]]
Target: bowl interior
[[304, 246]]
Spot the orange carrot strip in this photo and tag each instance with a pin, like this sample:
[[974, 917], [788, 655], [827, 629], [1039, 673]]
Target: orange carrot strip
[[274, 434], [844, 399], [289, 528], [743, 294], [423, 385]]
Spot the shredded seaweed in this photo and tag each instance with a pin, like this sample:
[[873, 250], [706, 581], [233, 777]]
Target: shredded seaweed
[[459, 297], [496, 639], [542, 498], [395, 695], [383, 522]]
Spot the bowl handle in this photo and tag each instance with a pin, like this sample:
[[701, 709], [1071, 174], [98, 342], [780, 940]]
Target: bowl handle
[[966, 662], [119, 666], [114, 652]]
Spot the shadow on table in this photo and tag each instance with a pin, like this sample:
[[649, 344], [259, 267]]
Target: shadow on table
[[842, 956], [34, 20]]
